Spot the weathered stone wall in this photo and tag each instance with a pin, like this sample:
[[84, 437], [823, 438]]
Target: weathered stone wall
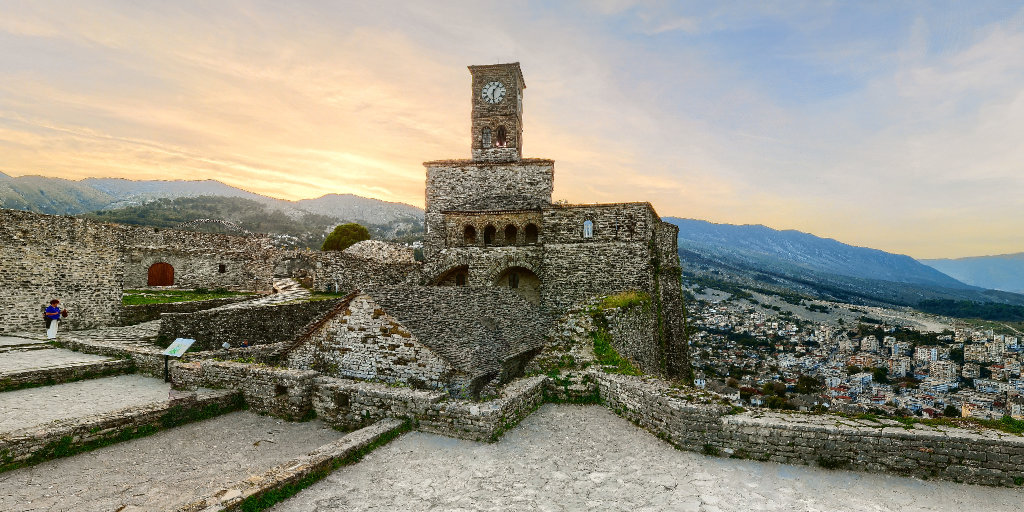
[[364, 342], [456, 224], [339, 272], [199, 258], [43, 257], [671, 310], [351, 404], [464, 185], [278, 391], [634, 334], [146, 312], [260, 324]]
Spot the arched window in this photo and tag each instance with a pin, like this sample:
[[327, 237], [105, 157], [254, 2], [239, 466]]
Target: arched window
[[485, 137], [531, 233], [499, 137], [588, 229], [489, 233], [469, 235], [510, 234]]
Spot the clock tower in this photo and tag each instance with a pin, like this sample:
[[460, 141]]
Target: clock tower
[[497, 119]]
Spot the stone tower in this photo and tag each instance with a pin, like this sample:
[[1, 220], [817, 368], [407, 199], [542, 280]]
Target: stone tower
[[497, 119]]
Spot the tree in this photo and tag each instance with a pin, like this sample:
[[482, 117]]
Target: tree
[[951, 412], [807, 384], [344, 236], [852, 369], [880, 375]]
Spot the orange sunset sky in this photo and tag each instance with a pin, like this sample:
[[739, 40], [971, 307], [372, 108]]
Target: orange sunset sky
[[891, 125]]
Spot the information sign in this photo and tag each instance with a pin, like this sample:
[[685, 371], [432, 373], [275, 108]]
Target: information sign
[[179, 347]]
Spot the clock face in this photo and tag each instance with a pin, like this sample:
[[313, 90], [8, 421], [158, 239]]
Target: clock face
[[493, 92]]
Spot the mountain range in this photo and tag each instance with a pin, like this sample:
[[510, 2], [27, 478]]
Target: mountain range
[[67, 197], [748, 255], [758, 256], [1002, 272]]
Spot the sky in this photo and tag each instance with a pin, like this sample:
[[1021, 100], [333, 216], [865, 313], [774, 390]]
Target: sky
[[887, 124]]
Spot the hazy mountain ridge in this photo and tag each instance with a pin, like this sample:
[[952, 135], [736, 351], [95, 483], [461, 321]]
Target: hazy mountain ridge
[[758, 256], [66, 197], [1000, 272]]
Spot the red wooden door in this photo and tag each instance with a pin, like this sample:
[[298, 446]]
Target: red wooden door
[[161, 274]]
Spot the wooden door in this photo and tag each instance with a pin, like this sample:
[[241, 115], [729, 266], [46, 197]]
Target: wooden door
[[161, 274]]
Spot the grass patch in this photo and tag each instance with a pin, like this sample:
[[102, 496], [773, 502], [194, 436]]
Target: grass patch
[[626, 299], [272, 497], [608, 357], [140, 297]]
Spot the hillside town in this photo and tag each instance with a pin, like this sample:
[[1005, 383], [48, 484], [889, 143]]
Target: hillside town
[[758, 357]]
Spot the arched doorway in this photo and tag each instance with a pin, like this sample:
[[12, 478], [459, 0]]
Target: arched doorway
[[455, 276], [161, 274], [522, 281]]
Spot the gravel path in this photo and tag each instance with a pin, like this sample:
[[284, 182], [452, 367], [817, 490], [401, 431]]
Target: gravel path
[[35, 406], [45, 358], [585, 458], [163, 471]]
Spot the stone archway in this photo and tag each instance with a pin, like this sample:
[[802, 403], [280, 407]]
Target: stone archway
[[522, 281], [455, 276], [160, 274]]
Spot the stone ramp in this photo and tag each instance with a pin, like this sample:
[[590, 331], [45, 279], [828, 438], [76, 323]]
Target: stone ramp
[[40, 406], [166, 470], [26, 363]]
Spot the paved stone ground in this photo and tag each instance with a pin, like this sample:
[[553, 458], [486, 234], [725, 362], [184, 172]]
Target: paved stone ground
[[14, 361], [12, 341], [566, 458], [35, 406], [165, 470]]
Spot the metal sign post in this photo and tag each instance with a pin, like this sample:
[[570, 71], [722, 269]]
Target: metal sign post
[[176, 349]]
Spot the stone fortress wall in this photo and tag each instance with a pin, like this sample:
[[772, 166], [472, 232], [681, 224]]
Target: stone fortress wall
[[200, 260], [43, 257]]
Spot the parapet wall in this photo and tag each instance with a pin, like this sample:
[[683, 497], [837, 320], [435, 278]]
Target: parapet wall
[[982, 457], [339, 272]]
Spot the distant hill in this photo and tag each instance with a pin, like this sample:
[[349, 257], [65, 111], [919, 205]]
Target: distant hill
[[66, 197], [1003, 272], [758, 256]]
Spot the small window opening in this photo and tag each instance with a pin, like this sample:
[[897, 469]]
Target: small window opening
[[280, 390], [485, 137], [499, 138], [460, 279], [588, 229], [531, 233], [513, 280], [510, 234], [469, 235], [489, 233], [222, 268]]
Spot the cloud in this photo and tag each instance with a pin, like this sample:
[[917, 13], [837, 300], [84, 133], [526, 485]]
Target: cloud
[[880, 125]]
